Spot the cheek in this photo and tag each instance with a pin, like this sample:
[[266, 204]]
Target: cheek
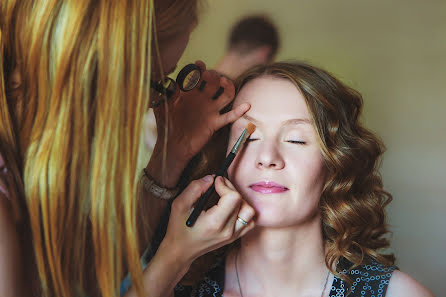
[[239, 167], [235, 167], [232, 140], [314, 174]]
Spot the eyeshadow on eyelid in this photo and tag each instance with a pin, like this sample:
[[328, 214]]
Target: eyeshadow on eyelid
[[238, 126], [236, 130]]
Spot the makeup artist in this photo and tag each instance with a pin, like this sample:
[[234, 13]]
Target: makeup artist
[[74, 86]]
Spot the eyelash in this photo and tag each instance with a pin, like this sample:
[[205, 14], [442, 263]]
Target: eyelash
[[297, 142], [251, 139], [290, 141]]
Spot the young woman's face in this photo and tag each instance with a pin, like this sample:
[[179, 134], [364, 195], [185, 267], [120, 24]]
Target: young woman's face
[[280, 171]]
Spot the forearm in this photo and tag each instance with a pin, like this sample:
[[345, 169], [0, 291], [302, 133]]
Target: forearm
[[166, 167], [149, 214], [151, 207], [161, 275]]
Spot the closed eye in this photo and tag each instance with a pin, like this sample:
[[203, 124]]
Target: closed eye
[[251, 139], [296, 141]]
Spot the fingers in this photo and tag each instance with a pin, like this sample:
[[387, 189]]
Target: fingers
[[214, 85], [232, 213], [245, 229], [229, 91], [228, 183], [217, 226], [232, 115], [244, 217], [201, 64], [210, 83], [193, 191], [229, 202]]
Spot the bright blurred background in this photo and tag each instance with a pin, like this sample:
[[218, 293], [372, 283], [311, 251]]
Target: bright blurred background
[[393, 52]]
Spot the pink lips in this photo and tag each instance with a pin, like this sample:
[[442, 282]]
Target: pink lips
[[268, 187]]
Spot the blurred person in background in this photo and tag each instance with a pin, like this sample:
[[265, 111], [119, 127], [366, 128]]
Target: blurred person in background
[[74, 86], [253, 40]]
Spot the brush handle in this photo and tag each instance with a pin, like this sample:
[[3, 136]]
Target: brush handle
[[226, 163], [201, 203]]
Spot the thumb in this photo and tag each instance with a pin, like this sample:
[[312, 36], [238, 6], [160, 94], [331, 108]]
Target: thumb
[[194, 190], [201, 64]]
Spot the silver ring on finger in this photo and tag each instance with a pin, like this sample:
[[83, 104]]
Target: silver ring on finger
[[242, 221]]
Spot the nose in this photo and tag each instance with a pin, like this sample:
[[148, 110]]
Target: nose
[[269, 157]]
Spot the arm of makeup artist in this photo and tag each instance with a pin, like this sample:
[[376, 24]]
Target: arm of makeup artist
[[192, 120], [214, 228]]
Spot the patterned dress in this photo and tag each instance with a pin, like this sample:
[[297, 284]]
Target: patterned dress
[[368, 280]]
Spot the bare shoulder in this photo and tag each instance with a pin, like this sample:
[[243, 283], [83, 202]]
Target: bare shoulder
[[401, 284]]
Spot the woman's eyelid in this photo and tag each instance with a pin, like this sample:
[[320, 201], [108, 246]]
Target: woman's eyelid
[[236, 129], [295, 134], [295, 139]]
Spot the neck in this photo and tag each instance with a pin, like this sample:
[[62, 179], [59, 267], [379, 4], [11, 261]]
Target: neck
[[233, 63], [283, 261]]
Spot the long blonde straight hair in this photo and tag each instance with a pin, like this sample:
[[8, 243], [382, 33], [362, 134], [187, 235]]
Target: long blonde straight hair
[[69, 133]]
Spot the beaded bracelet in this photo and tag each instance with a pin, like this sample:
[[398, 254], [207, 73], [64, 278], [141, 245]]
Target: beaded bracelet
[[156, 190]]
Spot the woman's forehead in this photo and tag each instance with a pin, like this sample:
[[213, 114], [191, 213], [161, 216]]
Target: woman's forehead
[[272, 95]]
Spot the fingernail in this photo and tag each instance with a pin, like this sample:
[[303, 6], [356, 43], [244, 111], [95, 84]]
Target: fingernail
[[207, 178], [246, 106]]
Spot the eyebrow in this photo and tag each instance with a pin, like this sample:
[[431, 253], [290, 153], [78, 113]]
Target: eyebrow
[[297, 121], [249, 118], [287, 122]]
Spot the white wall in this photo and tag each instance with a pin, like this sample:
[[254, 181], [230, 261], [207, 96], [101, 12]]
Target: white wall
[[394, 53]]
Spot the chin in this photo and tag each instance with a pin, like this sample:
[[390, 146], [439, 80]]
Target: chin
[[272, 218], [268, 218]]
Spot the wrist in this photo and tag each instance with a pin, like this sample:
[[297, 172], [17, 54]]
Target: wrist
[[150, 185], [176, 256], [163, 272], [165, 168]]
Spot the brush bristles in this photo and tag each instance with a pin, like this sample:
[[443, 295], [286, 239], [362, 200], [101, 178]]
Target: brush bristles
[[251, 128]]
